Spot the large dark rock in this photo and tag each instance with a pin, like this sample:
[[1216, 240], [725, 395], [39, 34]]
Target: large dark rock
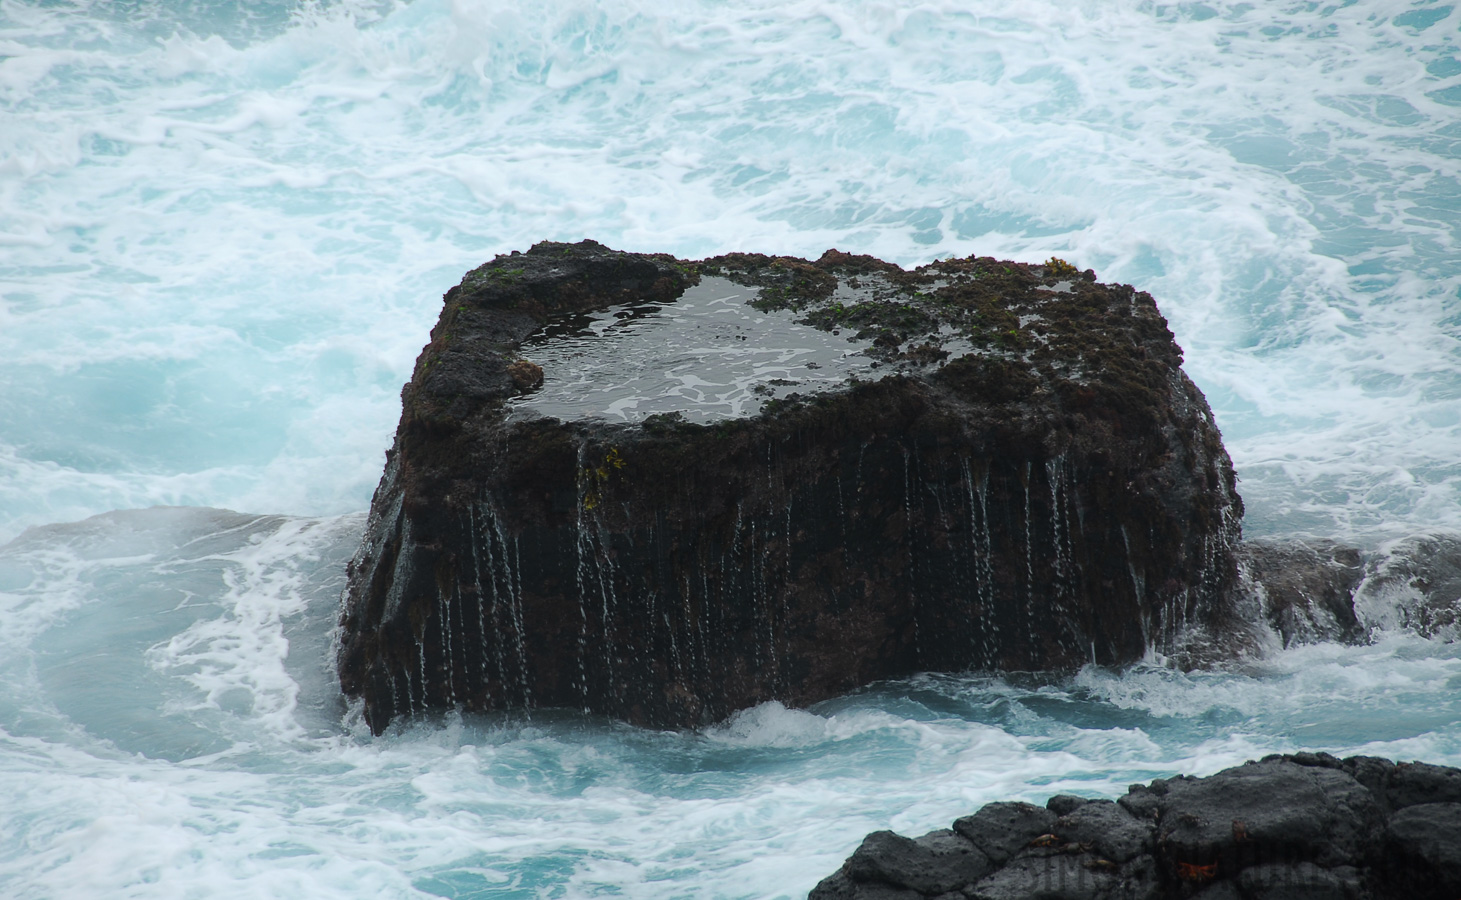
[[1287, 827], [1269, 809], [938, 862], [1002, 829], [1019, 477], [1424, 843]]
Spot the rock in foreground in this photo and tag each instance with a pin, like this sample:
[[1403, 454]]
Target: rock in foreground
[[663, 491], [1304, 826]]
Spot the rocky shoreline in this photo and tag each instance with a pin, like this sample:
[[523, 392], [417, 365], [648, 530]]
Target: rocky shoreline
[[1305, 826]]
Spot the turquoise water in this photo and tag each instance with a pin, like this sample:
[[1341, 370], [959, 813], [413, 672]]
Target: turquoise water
[[224, 232]]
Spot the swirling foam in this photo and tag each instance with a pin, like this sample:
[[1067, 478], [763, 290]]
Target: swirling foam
[[226, 226]]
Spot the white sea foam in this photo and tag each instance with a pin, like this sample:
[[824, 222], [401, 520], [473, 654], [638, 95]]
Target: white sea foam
[[167, 725], [227, 227]]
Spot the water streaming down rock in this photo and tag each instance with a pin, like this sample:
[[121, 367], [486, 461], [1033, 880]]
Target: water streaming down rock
[[750, 505]]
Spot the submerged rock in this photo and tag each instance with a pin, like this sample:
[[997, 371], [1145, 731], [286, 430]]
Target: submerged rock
[[1308, 592], [664, 491], [1305, 589], [1301, 826], [1414, 583]]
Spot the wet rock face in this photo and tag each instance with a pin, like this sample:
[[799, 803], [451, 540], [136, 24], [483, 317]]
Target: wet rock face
[[1003, 467], [1300, 826]]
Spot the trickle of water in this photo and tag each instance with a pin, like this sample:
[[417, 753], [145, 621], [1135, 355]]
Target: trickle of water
[[396, 692], [842, 520], [602, 571], [1138, 585], [507, 557], [755, 571], [785, 610], [1030, 617], [909, 542], [484, 511], [1059, 525], [983, 554], [704, 645], [484, 681], [445, 606], [678, 666], [421, 665], [513, 565], [1066, 564], [583, 546], [395, 595]]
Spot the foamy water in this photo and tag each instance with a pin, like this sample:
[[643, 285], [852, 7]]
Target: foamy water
[[168, 728], [226, 228], [224, 234]]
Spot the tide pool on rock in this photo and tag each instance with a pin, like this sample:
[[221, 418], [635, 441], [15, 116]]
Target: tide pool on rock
[[706, 356]]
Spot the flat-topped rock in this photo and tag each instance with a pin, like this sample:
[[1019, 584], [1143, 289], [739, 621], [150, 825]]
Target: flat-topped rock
[[664, 490]]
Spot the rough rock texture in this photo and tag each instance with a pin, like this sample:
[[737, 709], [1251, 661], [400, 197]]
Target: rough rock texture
[[1288, 827], [1032, 483]]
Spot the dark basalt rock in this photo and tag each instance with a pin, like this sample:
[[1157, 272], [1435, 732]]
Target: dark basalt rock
[[1002, 829], [938, 862], [1424, 852], [1022, 478], [1284, 828], [1252, 812]]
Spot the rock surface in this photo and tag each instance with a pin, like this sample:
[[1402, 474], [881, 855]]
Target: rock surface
[[1019, 476], [1287, 827], [1414, 583]]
